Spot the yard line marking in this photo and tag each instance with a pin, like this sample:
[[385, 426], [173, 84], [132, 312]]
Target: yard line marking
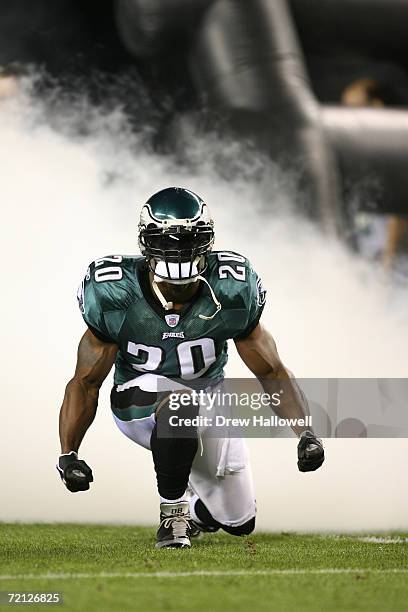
[[368, 538], [382, 540], [199, 573]]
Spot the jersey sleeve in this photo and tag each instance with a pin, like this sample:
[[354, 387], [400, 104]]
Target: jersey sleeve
[[89, 302], [105, 294], [254, 295]]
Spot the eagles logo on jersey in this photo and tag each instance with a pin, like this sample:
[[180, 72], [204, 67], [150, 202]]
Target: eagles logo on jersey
[[261, 292]]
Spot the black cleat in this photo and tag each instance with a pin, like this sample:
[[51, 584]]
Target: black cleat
[[198, 529], [174, 530]]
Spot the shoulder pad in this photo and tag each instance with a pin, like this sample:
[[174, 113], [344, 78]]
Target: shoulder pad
[[111, 281], [109, 286], [234, 279], [239, 290]]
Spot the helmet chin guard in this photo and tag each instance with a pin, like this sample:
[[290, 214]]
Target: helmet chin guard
[[179, 274]]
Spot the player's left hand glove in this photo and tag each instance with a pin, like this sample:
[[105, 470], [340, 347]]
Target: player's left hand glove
[[310, 452], [75, 473]]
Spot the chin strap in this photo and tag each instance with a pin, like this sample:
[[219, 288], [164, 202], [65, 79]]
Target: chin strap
[[169, 305], [214, 297], [166, 305]]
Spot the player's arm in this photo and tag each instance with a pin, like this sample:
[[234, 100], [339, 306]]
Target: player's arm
[[94, 362], [258, 351]]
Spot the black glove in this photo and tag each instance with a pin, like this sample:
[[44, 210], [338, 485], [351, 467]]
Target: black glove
[[75, 473], [310, 452]]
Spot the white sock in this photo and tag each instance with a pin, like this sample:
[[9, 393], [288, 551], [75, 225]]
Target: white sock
[[163, 500]]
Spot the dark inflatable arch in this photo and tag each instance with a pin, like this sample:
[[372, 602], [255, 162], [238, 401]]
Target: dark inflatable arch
[[246, 59]]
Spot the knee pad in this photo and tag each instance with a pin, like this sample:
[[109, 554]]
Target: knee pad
[[206, 518], [241, 530]]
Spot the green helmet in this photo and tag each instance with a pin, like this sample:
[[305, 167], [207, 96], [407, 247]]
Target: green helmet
[[176, 232]]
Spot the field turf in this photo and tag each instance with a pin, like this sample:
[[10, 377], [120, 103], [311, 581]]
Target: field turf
[[117, 568]]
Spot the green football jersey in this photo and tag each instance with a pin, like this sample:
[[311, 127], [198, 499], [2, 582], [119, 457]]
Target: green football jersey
[[118, 306]]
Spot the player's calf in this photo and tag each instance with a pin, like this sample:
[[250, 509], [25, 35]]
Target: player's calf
[[173, 449]]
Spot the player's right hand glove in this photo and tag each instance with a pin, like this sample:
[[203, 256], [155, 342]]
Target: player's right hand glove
[[75, 473], [310, 452]]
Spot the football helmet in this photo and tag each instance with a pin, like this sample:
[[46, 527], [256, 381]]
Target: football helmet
[[176, 232]]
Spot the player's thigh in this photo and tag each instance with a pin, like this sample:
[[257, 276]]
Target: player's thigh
[[230, 497], [133, 412]]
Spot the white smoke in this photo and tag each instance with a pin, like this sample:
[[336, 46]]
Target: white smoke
[[67, 199]]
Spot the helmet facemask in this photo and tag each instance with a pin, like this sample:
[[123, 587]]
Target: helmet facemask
[[177, 253]]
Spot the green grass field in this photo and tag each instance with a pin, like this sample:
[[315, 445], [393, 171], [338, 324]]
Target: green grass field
[[117, 568]]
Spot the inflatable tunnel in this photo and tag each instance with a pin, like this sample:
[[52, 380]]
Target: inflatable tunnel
[[253, 59], [245, 60], [273, 69]]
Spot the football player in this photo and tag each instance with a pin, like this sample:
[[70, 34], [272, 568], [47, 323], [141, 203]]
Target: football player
[[164, 319]]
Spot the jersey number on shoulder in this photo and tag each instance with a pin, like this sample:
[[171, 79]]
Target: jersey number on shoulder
[[108, 273], [225, 270], [194, 357]]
